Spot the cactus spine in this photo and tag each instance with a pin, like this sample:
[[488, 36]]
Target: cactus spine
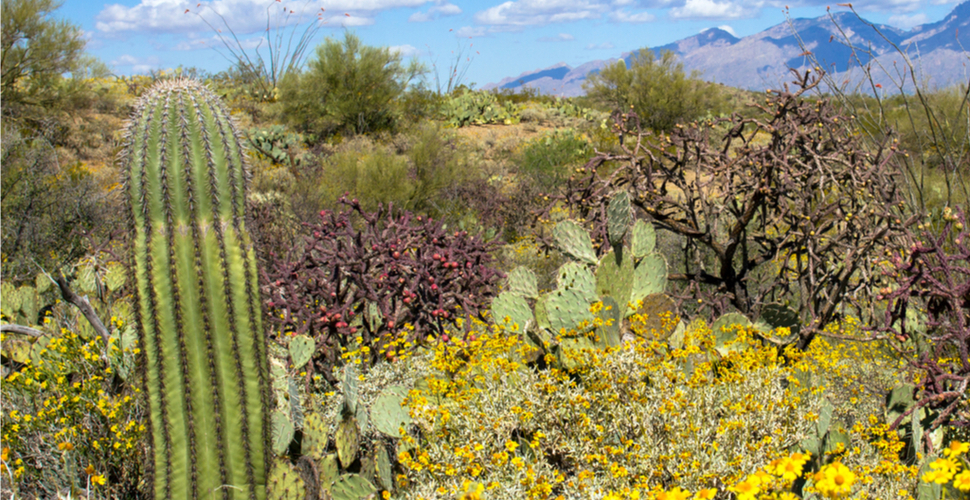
[[194, 269]]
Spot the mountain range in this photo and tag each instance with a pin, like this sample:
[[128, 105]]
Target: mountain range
[[940, 52]]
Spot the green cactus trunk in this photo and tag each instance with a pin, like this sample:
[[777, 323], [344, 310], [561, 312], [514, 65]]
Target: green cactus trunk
[[205, 353]]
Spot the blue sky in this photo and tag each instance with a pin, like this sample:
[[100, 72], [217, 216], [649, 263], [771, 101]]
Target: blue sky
[[500, 38]]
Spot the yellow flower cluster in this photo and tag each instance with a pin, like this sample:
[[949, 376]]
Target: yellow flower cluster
[[63, 404]]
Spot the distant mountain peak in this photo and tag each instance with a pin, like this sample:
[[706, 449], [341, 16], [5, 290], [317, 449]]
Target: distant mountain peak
[[761, 59]]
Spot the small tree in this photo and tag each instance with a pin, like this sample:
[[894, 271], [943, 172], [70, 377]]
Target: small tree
[[657, 90], [36, 50], [349, 88]]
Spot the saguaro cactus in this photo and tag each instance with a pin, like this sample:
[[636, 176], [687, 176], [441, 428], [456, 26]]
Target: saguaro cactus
[[206, 365]]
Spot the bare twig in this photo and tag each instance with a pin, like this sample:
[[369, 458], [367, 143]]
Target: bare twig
[[22, 330]]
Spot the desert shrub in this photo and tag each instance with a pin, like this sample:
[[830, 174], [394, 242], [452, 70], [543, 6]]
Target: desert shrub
[[421, 171], [789, 209], [546, 160], [367, 170], [362, 276], [644, 420], [48, 206], [73, 414], [656, 89], [348, 88]]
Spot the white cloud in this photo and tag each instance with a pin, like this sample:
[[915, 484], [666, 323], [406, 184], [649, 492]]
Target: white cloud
[[520, 13], [562, 37], [622, 16], [707, 9], [137, 64], [600, 46], [420, 17], [905, 22], [446, 9], [217, 41], [471, 32], [405, 50], [243, 16]]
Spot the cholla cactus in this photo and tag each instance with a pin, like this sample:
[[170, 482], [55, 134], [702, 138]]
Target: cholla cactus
[[198, 302]]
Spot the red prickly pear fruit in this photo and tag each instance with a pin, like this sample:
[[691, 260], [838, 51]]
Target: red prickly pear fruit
[[407, 300], [397, 255], [434, 287], [444, 338], [436, 256], [341, 324], [390, 324], [336, 316], [353, 330]]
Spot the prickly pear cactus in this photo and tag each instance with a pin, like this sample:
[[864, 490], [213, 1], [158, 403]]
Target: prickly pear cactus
[[387, 413], [522, 281], [329, 472], [576, 276], [725, 332], [347, 438], [643, 240], [778, 316], [314, 436], [574, 241], [195, 282], [619, 214], [611, 315], [352, 487], [285, 483], [615, 277], [385, 475], [656, 314], [301, 350], [566, 309], [282, 432], [516, 309]]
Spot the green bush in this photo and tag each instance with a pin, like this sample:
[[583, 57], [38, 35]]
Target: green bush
[[349, 88], [658, 90], [546, 160], [418, 173]]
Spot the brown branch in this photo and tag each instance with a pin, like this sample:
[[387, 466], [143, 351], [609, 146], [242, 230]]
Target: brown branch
[[22, 330], [85, 307]]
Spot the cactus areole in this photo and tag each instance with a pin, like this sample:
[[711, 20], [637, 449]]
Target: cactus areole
[[205, 354]]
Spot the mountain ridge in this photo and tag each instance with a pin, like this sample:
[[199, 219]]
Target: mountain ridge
[[938, 49]]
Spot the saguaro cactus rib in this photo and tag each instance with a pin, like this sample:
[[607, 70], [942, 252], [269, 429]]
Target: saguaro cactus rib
[[198, 313]]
